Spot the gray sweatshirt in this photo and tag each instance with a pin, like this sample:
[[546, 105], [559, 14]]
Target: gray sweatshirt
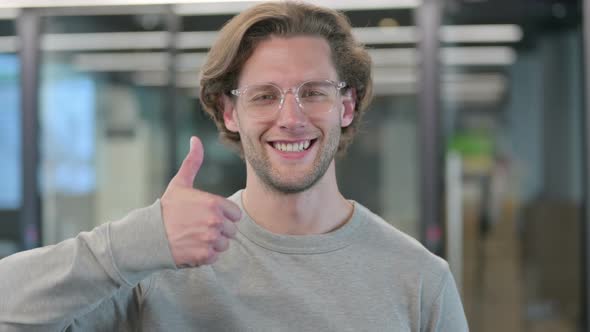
[[364, 276]]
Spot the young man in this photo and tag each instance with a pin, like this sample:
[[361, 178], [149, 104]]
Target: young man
[[286, 84]]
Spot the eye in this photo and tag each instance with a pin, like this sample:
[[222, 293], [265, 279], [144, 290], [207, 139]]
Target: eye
[[316, 91], [264, 97], [313, 93]]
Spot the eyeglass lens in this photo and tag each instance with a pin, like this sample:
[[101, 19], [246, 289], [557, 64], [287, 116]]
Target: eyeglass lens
[[313, 97]]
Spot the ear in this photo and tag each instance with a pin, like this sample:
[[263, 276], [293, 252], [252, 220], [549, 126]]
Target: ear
[[229, 114], [348, 105]]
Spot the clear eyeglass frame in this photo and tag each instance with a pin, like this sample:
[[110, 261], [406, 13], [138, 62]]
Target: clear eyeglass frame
[[338, 86]]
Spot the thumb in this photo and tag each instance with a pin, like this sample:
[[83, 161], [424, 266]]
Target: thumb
[[190, 165]]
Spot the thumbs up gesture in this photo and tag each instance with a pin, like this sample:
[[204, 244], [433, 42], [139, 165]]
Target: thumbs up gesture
[[198, 224]]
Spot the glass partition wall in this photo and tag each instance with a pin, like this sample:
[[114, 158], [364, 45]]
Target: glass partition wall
[[103, 131], [512, 116]]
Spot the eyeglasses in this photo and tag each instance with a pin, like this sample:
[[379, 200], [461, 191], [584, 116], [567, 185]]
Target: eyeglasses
[[266, 100]]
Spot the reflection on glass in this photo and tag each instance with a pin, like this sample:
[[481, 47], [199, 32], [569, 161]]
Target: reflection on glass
[[10, 167], [68, 141], [11, 237]]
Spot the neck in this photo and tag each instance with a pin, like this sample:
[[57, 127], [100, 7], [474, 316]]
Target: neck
[[317, 210]]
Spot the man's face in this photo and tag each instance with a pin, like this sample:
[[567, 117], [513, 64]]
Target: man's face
[[272, 146]]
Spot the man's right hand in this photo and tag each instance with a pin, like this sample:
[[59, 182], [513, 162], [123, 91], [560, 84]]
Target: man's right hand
[[198, 224]]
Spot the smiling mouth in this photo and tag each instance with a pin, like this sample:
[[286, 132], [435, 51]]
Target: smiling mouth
[[299, 146]]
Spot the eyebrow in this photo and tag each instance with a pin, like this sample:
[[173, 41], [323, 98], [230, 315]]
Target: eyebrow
[[294, 85]]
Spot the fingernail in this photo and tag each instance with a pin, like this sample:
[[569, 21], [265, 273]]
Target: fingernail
[[191, 143]]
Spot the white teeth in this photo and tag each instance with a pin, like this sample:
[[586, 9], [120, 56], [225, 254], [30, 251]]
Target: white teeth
[[292, 147]]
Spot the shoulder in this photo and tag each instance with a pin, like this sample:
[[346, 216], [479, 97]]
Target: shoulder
[[399, 262], [397, 249]]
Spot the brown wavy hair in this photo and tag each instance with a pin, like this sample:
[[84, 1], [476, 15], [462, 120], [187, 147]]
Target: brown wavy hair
[[240, 36]]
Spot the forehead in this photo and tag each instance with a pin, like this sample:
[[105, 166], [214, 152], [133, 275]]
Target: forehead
[[287, 61]]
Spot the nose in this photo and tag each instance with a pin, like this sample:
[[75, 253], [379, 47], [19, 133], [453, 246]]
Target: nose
[[291, 115]]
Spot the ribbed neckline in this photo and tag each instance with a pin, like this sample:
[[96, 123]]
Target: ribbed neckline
[[297, 244]]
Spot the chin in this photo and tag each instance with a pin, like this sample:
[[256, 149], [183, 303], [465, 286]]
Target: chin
[[293, 186], [289, 188]]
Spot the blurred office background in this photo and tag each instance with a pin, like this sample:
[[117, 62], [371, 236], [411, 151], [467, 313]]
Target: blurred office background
[[474, 143]]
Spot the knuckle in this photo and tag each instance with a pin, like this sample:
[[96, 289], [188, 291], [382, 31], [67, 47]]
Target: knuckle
[[190, 160], [214, 221], [207, 252], [219, 244], [212, 202], [211, 236]]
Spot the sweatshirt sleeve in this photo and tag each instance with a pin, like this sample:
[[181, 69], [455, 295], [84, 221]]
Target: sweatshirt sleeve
[[47, 288], [446, 312]]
